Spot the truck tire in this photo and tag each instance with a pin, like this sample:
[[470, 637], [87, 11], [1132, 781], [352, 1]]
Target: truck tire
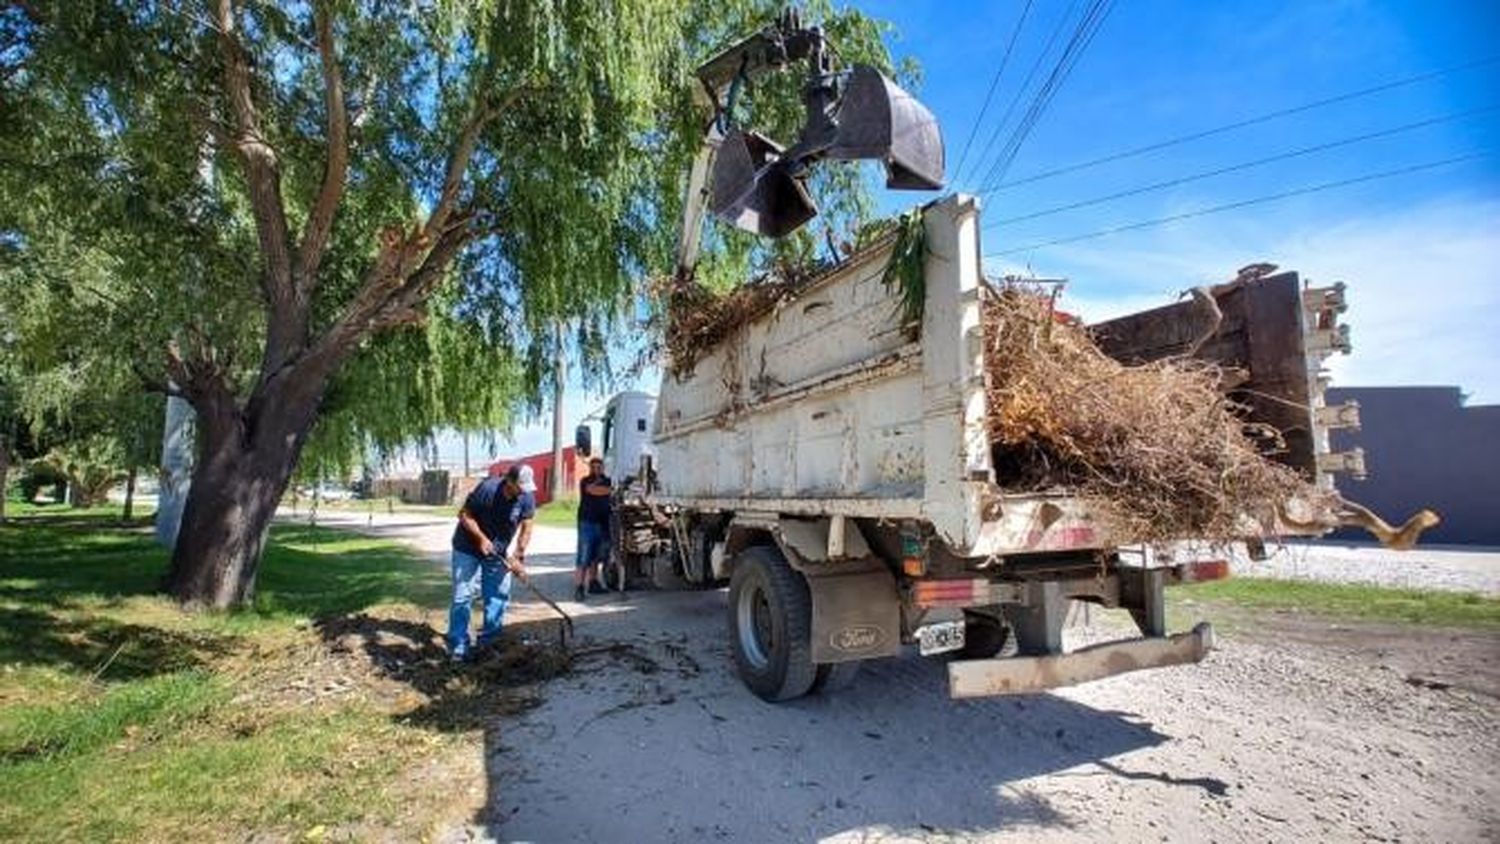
[[984, 636], [770, 625], [664, 574], [612, 573]]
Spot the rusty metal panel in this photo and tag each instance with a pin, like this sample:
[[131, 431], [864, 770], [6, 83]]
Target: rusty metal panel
[[1279, 390], [1022, 675], [1260, 338]]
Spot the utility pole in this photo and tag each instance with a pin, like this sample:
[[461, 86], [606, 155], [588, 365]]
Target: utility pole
[[560, 375]]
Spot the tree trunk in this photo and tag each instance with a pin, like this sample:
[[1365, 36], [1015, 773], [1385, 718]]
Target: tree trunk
[[4, 480], [129, 495], [85, 491], [247, 459]]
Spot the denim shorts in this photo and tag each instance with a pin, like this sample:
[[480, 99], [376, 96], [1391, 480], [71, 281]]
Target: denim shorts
[[593, 544]]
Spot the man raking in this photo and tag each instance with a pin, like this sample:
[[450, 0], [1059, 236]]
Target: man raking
[[497, 511]]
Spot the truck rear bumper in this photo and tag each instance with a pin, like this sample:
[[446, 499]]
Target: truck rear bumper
[[1021, 675]]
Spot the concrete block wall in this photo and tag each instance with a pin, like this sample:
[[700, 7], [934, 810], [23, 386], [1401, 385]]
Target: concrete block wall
[[1425, 448]]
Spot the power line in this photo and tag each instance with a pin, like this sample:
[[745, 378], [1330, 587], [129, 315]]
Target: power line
[[1244, 166], [1036, 66], [984, 109], [1083, 36], [1207, 133], [1243, 203]]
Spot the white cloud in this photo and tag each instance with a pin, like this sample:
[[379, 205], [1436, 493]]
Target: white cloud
[[1423, 284], [1424, 290]]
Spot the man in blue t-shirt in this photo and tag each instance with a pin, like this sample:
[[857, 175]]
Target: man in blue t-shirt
[[497, 511], [593, 528]]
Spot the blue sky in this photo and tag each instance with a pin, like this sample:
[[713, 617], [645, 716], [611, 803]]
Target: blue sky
[[1420, 252]]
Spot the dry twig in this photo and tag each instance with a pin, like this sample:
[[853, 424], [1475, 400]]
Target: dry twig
[[699, 319], [1159, 444]]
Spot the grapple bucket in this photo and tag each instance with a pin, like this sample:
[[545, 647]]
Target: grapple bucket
[[877, 119], [753, 190]]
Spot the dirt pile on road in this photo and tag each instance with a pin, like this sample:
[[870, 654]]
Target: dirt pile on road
[[1159, 443]]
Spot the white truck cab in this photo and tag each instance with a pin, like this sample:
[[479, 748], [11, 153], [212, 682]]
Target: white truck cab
[[624, 440]]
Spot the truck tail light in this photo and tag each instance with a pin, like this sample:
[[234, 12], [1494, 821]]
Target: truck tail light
[[1200, 571], [913, 555], [947, 593]]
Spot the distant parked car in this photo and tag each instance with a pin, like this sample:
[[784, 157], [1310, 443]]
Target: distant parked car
[[326, 492]]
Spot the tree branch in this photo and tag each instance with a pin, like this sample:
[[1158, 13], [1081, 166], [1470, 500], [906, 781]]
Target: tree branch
[[381, 280], [320, 221], [177, 368], [222, 135], [156, 384], [418, 286], [286, 320], [362, 108], [407, 266], [389, 296], [463, 152]]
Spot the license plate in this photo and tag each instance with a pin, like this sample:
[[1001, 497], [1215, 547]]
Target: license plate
[[940, 638]]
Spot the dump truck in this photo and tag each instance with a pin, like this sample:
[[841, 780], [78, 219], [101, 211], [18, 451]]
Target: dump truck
[[830, 461], [837, 474]]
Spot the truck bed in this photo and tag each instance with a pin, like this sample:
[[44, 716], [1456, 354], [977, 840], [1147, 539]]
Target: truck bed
[[827, 405]]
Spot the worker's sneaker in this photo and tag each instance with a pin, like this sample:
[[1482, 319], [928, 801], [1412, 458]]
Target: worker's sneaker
[[597, 588], [578, 593]]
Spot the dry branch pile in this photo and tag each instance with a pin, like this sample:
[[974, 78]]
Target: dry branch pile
[[698, 319], [1158, 443]]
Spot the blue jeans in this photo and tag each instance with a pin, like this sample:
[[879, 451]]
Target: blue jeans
[[493, 581], [593, 544]]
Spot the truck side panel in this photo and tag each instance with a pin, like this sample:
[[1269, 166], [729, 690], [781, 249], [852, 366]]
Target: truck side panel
[[826, 406], [821, 398]]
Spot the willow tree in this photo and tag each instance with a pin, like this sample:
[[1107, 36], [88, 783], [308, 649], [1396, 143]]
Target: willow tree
[[360, 210]]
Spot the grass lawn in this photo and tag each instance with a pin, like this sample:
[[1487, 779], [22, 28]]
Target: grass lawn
[[560, 513], [1369, 603], [123, 718], [17, 508]]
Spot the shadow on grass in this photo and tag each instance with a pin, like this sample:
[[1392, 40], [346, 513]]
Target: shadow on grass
[[305, 571], [111, 649], [81, 520], [57, 561], [64, 587]]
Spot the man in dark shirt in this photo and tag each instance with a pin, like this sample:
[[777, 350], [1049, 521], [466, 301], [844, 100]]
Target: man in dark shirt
[[593, 528], [497, 511]]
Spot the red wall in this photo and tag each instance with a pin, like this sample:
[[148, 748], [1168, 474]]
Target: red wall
[[541, 470]]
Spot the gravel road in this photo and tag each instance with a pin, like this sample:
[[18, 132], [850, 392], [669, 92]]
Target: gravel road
[[1445, 567], [1293, 730]]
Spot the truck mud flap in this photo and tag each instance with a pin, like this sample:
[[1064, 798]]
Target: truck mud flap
[[1023, 675], [855, 616]]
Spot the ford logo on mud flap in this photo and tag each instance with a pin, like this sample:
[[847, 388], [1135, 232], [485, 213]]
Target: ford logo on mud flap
[[860, 637]]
